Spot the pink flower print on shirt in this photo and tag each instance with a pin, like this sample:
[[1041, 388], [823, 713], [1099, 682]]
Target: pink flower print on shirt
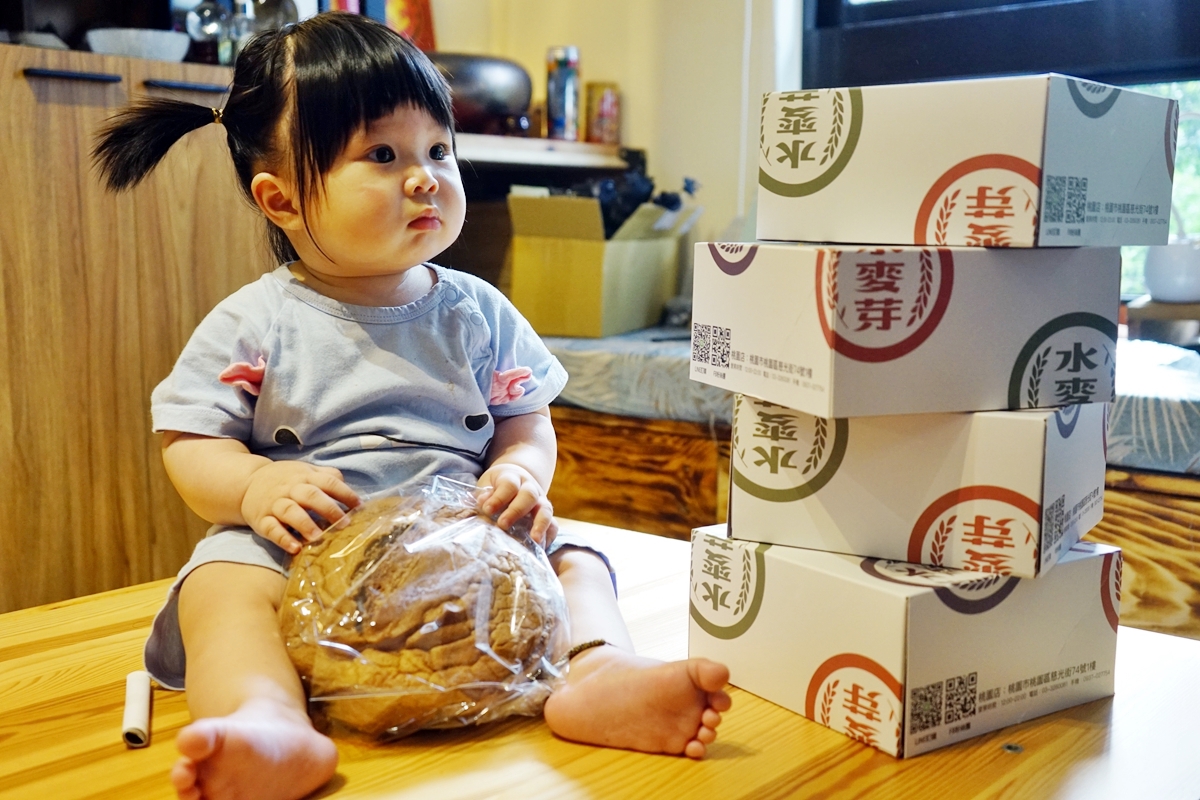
[[506, 386], [244, 375]]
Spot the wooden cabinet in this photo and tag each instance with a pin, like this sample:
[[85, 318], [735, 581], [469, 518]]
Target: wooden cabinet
[[198, 239], [98, 293]]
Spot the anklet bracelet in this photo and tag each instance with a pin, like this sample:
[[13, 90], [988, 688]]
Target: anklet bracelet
[[579, 648]]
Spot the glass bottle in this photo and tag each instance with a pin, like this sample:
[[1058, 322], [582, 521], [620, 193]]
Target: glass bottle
[[273, 14], [207, 23], [243, 25]]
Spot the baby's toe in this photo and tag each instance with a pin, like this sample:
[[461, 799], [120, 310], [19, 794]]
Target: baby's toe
[[710, 718], [719, 701], [183, 778], [695, 749], [707, 675], [706, 735]]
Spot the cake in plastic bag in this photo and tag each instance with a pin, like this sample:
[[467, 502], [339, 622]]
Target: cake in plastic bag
[[415, 611]]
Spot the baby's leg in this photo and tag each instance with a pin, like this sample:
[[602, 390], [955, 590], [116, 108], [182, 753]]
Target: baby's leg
[[616, 698], [250, 735]]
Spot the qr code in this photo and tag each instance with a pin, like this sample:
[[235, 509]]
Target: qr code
[[1052, 523], [1076, 200], [925, 708], [710, 345], [1055, 199], [960, 697], [720, 347], [701, 342]]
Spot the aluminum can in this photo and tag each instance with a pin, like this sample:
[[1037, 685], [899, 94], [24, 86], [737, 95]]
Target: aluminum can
[[562, 92]]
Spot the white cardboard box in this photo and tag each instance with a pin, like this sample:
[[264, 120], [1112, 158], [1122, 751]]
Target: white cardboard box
[[846, 332], [997, 491], [901, 657], [1041, 160]]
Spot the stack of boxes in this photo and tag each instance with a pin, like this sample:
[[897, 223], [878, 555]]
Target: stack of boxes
[[919, 429]]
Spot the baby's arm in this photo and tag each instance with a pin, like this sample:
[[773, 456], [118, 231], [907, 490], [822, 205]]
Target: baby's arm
[[224, 483], [521, 463]]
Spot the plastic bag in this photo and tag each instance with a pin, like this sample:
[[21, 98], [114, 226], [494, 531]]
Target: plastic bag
[[415, 611]]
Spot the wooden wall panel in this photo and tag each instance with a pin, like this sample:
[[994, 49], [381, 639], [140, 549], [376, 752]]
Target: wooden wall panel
[[653, 476]]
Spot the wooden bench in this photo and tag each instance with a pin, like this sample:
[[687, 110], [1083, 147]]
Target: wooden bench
[[1155, 519]]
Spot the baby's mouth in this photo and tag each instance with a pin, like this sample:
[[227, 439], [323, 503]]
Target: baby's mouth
[[426, 221]]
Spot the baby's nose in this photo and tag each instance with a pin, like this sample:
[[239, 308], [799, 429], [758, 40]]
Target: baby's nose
[[421, 180]]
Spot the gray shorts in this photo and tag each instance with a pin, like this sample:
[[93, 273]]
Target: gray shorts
[[164, 655]]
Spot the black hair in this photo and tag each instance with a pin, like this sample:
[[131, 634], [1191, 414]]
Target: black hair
[[298, 95]]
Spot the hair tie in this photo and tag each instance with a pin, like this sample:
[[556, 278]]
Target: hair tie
[[218, 116]]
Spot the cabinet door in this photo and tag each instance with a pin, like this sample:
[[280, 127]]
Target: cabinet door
[[198, 240], [72, 425]]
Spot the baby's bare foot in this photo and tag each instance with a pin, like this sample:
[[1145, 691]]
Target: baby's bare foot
[[263, 751], [617, 699]]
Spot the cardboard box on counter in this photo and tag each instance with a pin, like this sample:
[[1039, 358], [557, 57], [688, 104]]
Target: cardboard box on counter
[[1041, 160], [568, 280], [996, 491], [902, 657], [847, 332]]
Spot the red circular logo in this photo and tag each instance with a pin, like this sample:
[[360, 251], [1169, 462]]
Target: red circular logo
[[857, 696], [980, 528], [985, 201], [879, 305], [1110, 588]]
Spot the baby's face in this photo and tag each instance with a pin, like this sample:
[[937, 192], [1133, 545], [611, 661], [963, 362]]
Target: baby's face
[[392, 200]]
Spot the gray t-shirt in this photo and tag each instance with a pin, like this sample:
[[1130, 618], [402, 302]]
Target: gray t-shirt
[[384, 394]]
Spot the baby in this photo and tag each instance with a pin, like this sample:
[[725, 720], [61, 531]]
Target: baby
[[355, 366]]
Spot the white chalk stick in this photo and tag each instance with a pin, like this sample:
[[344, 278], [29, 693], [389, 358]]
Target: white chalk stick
[[135, 729]]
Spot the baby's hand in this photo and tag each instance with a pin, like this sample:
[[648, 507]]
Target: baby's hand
[[515, 493], [281, 494]]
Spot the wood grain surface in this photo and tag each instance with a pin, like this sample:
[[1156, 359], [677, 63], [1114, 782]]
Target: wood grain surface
[[198, 240], [70, 428], [1158, 482], [654, 476], [98, 294], [62, 671], [1159, 535]]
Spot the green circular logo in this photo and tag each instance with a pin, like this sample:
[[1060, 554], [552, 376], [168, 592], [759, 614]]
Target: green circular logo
[[1071, 359], [780, 454], [727, 582], [806, 138]]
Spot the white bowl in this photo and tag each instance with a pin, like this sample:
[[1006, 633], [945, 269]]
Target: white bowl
[[37, 39], [139, 43], [1173, 272]]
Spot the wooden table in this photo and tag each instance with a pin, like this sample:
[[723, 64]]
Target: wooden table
[[62, 670]]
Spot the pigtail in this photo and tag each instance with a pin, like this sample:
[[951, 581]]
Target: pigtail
[[136, 139]]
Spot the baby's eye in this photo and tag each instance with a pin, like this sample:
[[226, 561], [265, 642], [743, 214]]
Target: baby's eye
[[439, 152], [383, 154]]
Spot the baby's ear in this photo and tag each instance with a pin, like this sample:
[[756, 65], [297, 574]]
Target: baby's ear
[[277, 200]]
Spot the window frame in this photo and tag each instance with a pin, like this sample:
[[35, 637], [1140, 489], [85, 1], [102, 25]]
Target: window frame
[[901, 41]]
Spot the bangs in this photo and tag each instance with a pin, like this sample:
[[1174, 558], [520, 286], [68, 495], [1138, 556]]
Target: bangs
[[347, 72]]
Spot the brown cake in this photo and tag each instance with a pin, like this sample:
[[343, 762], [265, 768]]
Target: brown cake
[[429, 615]]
